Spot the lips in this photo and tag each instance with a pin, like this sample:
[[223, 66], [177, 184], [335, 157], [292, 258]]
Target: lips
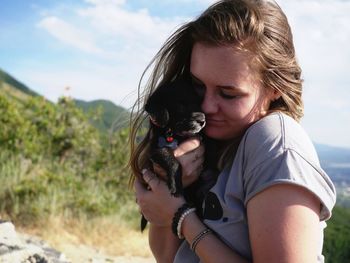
[[214, 122]]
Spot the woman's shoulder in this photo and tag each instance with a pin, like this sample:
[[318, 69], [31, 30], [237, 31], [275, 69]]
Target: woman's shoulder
[[277, 133]]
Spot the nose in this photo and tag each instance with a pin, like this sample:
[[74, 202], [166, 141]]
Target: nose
[[209, 104]]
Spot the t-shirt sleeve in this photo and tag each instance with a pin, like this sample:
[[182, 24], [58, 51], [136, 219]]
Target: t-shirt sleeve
[[289, 167]]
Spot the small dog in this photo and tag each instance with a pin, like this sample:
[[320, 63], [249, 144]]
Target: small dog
[[175, 115]]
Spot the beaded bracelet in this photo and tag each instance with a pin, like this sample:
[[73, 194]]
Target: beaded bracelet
[[179, 224], [199, 237], [177, 217]]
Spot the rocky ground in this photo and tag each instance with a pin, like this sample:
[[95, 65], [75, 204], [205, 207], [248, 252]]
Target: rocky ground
[[22, 248]]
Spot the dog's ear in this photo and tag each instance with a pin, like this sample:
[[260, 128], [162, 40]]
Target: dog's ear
[[157, 112], [160, 118]]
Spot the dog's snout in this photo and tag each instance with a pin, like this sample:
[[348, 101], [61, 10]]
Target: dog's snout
[[201, 123], [199, 116]]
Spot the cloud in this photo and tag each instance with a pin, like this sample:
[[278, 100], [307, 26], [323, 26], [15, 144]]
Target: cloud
[[322, 33], [122, 42], [105, 26], [114, 20], [69, 34]]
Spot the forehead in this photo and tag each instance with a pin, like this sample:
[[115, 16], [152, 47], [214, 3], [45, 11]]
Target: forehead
[[221, 63]]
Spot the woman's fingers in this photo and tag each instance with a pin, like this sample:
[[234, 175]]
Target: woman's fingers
[[150, 178], [190, 154], [159, 171], [187, 146], [139, 187]]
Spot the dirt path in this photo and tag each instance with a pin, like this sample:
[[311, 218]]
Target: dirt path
[[85, 254]]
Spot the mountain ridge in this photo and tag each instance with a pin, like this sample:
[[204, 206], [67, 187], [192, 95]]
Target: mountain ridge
[[10, 80], [111, 113]]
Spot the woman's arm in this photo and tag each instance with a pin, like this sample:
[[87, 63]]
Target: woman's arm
[[210, 249], [283, 225], [163, 243], [159, 207]]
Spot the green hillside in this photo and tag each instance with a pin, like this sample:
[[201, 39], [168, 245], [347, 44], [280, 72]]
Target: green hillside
[[337, 236], [109, 117], [10, 85], [103, 114], [54, 162]]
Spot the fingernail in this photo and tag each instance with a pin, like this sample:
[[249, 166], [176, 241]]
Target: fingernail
[[144, 171]]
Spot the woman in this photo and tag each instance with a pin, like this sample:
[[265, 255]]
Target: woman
[[271, 197]]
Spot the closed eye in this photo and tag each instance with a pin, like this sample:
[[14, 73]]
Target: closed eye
[[227, 96]]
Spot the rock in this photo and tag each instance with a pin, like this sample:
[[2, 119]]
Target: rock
[[16, 248]]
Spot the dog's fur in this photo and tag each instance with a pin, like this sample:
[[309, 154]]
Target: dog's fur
[[175, 115]]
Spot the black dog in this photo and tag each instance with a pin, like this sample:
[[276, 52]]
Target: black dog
[[175, 115]]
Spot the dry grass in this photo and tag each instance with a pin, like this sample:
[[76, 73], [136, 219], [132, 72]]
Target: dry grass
[[108, 235]]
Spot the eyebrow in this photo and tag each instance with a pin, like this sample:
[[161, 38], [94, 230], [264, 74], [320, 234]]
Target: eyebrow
[[219, 86]]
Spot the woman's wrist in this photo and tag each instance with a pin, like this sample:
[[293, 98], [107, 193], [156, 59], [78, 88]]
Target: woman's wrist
[[179, 216], [163, 243], [191, 227]]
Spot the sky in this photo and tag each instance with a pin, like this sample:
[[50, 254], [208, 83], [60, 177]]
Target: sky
[[99, 49]]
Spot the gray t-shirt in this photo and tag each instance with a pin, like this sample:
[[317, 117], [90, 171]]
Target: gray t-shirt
[[274, 150]]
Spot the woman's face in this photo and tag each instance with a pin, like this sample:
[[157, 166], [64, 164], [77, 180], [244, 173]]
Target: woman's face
[[233, 96]]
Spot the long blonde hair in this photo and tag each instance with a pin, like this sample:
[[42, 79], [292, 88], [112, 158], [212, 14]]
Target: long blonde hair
[[259, 26]]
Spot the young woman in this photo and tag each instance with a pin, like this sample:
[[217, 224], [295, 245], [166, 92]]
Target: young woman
[[271, 197]]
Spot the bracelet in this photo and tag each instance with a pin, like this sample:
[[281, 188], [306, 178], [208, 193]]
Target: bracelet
[[177, 217], [199, 237], [179, 224]]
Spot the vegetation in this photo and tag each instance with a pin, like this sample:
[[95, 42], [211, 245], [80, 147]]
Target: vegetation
[[55, 163], [110, 118], [337, 236]]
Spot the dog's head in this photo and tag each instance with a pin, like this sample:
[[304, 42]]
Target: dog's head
[[176, 106]]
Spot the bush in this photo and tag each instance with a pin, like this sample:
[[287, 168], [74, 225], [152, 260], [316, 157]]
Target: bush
[[54, 162], [337, 236]]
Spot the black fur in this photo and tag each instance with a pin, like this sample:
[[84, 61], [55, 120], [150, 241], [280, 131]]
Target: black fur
[[175, 112]]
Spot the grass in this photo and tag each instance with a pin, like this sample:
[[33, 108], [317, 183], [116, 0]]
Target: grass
[[110, 235], [69, 209]]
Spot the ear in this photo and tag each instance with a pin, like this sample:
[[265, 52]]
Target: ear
[[275, 95], [159, 117]]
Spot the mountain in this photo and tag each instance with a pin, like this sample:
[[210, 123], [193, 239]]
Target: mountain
[[330, 155], [111, 114], [336, 162], [11, 87], [113, 117]]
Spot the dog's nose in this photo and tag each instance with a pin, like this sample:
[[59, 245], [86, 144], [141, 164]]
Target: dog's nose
[[201, 123], [199, 116]]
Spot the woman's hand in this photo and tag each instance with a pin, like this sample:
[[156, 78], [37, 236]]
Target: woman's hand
[[156, 203], [190, 155]]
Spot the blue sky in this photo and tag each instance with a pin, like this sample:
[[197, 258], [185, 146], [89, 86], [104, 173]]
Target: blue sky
[[99, 49]]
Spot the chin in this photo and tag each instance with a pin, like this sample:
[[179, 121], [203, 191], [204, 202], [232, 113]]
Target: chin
[[219, 134], [214, 134]]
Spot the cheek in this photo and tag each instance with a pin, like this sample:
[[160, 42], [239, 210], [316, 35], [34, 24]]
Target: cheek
[[239, 109]]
